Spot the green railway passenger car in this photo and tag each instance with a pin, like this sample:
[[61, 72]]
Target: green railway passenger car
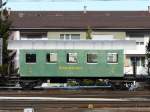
[[71, 63], [59, 60]]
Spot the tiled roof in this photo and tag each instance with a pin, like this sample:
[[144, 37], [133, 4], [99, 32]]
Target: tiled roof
[[80, 20]]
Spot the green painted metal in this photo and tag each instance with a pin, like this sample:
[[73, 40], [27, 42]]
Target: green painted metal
[[62, 69]]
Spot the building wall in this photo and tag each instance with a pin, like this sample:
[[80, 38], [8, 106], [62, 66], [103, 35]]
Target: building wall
[[63, 69]]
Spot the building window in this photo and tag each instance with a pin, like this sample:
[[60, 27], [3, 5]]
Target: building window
[[112, 58], [136, 34], [143, 61], [138, 37], [51, 57], [135, 60], [92, 58], [33, 35], [139, 61], [75, 36], [62, 36], [30, 58], [139, 43], [71, 57], [70, 36]]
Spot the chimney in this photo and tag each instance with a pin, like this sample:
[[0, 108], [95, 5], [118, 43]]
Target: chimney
[[85, 9], [148, 9]]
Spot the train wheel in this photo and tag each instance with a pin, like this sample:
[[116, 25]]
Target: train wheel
[[27, 84]]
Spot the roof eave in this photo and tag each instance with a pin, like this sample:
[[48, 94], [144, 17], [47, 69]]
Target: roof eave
[[67, 28]]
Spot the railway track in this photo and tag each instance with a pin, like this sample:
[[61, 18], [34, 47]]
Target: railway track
[[44, 104], [76, 93], [101, 101], [71, 106]]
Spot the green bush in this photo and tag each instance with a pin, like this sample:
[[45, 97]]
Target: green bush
[[87, 82], [100, 82], [72, 83]]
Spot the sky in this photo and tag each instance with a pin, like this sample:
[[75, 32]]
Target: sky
[[71, 5]]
